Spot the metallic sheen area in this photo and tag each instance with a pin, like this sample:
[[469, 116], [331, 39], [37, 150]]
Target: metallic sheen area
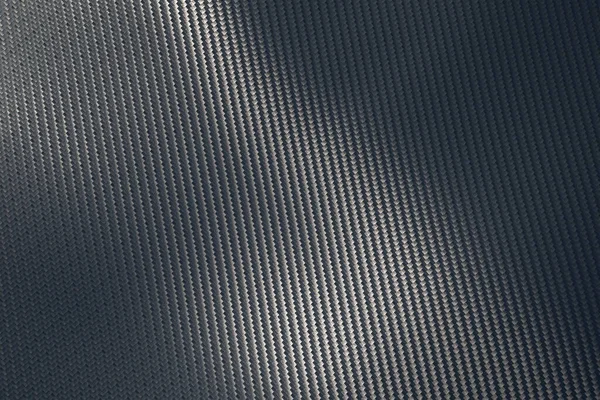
[[228, 199]]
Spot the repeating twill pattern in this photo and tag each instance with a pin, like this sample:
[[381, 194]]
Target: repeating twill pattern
[[299, 199]]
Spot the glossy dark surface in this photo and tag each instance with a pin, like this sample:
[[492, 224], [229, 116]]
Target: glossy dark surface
[[299, 199]]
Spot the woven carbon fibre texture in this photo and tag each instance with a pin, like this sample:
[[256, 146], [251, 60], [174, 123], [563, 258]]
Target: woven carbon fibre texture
[[299, 199]]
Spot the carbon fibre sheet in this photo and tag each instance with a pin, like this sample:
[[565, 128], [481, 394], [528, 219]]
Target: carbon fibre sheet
[[299, 199]]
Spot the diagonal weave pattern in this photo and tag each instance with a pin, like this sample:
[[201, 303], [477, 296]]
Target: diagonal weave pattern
[[299, 199]]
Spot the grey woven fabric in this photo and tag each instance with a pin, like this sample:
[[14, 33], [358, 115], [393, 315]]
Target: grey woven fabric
[[299, 199]]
